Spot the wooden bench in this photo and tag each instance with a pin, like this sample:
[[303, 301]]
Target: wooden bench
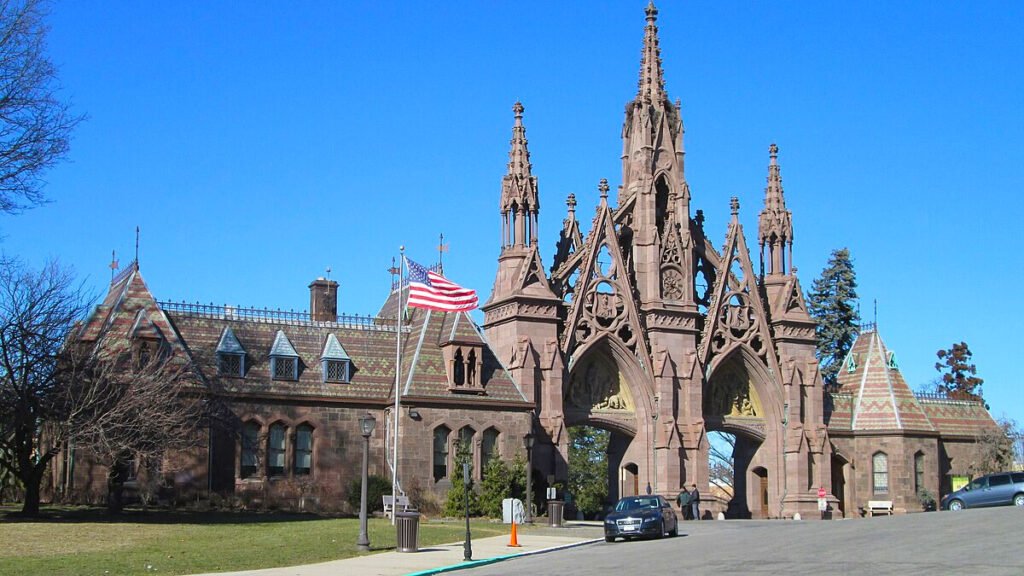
[[389, 504], [879, 507]]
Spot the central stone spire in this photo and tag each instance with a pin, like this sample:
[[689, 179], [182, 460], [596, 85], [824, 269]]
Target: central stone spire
[[652, 82]]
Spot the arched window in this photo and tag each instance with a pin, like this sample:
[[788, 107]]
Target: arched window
[[275, 450], [880, 473], [918, 472], [250, 449], [488, 449], [441, 434], [303, 450], [465, 449], [459, 369]]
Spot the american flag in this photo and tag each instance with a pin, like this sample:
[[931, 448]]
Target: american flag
[[432, 291]]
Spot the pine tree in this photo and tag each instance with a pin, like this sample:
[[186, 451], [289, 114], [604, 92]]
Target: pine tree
[[832, 304], [455, 504]]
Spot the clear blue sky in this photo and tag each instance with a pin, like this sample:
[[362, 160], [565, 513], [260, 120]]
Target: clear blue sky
[[258, 143]]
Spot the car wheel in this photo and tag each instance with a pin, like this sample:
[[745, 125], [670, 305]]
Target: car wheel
[[661, 533], [675, 531], [956, 505], [1018, 500], [609, 538]]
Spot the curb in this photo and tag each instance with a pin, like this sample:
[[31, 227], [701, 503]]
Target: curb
[[496, 559]]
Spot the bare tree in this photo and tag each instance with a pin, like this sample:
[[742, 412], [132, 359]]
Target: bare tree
[[128, 405], [994, 449], [118, 399], [721, 462], [35, 125]]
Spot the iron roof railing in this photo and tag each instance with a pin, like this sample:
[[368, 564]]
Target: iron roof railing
[[268, 316]]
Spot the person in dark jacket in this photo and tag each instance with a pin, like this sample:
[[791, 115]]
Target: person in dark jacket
[[684, 503], [695, 503]]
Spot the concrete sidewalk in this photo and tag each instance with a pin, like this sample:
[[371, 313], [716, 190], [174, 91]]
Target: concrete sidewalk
[[438, 559]]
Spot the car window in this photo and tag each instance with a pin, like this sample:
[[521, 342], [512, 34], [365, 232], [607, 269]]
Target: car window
[[1017, 477], [999, 480], [978, 484]]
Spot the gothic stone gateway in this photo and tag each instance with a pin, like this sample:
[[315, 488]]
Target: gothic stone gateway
[[642, 327]]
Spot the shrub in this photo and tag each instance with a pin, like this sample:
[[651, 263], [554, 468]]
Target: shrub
[[376, 489], [502, 480], [455, 505]]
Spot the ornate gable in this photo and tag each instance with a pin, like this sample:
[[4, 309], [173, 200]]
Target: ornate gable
[[736, 316], [604, 305]]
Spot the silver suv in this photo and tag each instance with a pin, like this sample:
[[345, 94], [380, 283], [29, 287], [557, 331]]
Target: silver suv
[[999, 489]]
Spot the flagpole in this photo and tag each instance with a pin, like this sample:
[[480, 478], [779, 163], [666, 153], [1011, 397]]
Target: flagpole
[[398, 378]]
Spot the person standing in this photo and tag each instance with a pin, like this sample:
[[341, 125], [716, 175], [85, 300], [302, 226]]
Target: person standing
[[695, 503], [684, 503]]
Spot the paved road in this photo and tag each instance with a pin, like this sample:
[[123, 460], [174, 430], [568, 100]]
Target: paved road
[[975, 542]]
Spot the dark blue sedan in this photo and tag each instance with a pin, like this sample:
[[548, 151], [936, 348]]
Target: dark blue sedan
[[637, 516]]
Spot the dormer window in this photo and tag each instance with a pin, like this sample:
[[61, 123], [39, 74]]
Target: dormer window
[[891, 361], [334, 361], [230, 355], [464, 365], [851, 363], [284, 360]]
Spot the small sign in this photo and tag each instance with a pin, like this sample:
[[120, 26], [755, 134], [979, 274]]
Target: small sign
[[821, 492], [552, 493]]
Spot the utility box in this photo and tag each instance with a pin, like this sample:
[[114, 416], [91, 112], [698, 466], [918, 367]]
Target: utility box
[[408, 526], [512, 511]]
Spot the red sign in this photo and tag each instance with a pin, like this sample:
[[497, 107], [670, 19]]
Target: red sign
[[821, 492]]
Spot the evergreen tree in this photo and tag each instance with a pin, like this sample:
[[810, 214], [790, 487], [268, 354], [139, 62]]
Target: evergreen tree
[[959, 376], [455, 504], [832, 303], [501, 480], [588, 468]]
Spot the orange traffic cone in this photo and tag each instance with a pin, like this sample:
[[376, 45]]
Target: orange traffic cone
[[514, 540]]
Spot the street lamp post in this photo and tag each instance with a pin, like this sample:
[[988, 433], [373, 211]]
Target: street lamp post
[[467, 549], [366, 425], [529, 478]]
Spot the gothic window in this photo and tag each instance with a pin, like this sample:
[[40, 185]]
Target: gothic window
[[810, 470], [250, 450], [471, 368], [303, 450], [276, 450], [851, 363], [488, 449], [880, 473], [459, 369], [918, 472], [441, 435]]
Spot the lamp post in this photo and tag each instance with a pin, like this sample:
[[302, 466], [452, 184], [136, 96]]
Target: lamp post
[[467, 549], [529, 478], [366, 425]]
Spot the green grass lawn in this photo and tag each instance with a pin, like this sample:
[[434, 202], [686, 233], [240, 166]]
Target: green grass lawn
[[86, 541]]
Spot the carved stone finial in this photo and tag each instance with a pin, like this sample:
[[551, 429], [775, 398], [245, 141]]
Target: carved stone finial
[[652, 11], [734, 206], [518, 109], [571, 203], [603, 188], [773, 152]]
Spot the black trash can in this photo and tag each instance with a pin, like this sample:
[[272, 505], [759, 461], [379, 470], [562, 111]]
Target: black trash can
[[555, 510], [408, 526]]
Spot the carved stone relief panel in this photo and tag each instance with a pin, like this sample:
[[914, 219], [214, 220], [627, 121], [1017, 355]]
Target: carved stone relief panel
[[597, 385]]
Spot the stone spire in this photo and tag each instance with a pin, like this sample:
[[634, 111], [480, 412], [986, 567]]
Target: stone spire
[[775, 226], [652, 83], [519, 201]]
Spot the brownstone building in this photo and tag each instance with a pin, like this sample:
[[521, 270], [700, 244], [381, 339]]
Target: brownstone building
[[639, 326]]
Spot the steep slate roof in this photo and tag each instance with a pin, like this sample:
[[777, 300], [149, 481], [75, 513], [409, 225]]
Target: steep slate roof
[[957, 417], [129, 309], [881, 398]]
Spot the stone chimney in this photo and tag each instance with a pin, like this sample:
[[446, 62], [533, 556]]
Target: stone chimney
[[323, 300]]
